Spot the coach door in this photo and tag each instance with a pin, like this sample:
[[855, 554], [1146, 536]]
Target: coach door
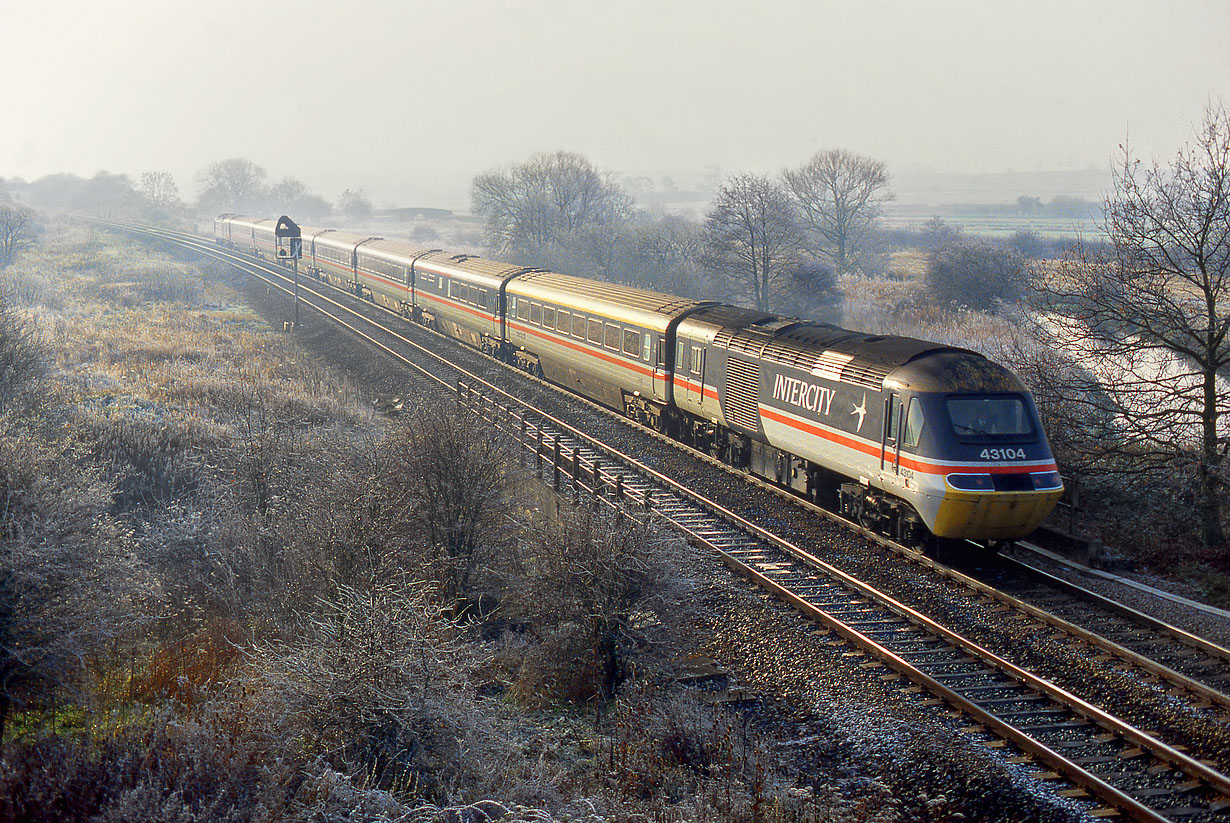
[[660, 374], [694, 373]]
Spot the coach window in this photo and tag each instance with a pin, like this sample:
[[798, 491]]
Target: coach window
[[536, 314], [483, 297], [595, 332], [632, 342], [646, 346], [578, 326], [512, 306], [548, 317], [523, 310], [612, 336], [563, 321], [681, 357], [662, 352]]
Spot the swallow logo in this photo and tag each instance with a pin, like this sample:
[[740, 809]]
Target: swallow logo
[[861, 411]]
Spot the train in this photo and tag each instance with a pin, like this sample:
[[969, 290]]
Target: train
[[913, 439]]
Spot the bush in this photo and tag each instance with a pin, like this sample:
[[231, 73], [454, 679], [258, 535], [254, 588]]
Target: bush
[[977, 274]]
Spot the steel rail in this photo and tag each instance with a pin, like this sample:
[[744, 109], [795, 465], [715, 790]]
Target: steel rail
[[1193, 641]]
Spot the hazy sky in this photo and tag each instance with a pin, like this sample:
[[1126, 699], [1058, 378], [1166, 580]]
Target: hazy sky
[[411, 99]]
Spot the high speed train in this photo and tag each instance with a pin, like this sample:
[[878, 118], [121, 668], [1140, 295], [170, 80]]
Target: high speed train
[[908, 437]]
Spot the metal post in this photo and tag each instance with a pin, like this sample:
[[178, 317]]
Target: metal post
[[555, 460], [524, 441], [296, 261], [539, 448]]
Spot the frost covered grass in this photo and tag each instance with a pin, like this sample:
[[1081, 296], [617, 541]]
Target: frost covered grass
[[279, 645]]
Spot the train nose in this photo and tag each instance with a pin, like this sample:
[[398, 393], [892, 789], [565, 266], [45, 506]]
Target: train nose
[[994, 515]]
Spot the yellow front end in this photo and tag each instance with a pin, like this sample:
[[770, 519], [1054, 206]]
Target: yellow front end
[[993, 515]]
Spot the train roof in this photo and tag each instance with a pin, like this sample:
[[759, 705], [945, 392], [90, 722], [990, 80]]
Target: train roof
[[471, 267], [340, 239], [396, 250], [641, 306], [248, 220], [833, 352]]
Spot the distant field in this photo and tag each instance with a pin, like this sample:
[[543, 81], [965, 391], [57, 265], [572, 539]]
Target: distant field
[[1055, 228]]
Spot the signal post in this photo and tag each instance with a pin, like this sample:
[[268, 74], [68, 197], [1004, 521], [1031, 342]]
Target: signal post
[[289, 241]]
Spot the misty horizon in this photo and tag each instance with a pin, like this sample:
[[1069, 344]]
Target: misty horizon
[[410, 101]]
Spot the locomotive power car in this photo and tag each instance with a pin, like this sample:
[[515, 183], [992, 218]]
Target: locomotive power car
[[908, 437]]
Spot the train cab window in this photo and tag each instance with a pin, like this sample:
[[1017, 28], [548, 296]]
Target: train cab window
[[988, 418], [512, 305], [612, 336], [698, 360], [595, 332], [662, 352], [681, 357], [913, 424], [563, 321], [536, 314], [578, 326], [632, 342], [548, 317]]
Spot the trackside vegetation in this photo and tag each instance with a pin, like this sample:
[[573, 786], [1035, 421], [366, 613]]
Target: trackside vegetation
[[233, 590]]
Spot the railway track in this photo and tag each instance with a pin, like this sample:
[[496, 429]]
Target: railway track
[[1069, 736]]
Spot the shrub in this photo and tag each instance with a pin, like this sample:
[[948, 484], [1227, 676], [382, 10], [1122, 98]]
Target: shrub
[[976, 273]]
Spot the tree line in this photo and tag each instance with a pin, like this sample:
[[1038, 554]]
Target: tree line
[[234, 184], [762, 239]]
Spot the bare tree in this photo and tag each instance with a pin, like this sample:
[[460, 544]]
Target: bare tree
[[546, 199], [160, 190], [1148, 317], [291, 196], [107, 194], [751, 238], [839, 195], [16, 232], [354, 203], [234, 184], [664, 254], [456, 484]]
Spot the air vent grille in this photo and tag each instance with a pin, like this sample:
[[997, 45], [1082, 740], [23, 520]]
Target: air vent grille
[[742, 386]]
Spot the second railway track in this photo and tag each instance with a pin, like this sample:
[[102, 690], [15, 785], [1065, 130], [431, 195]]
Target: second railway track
[[1166, 772]]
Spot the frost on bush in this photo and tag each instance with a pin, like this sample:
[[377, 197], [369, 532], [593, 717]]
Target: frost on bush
[[376, 684]]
